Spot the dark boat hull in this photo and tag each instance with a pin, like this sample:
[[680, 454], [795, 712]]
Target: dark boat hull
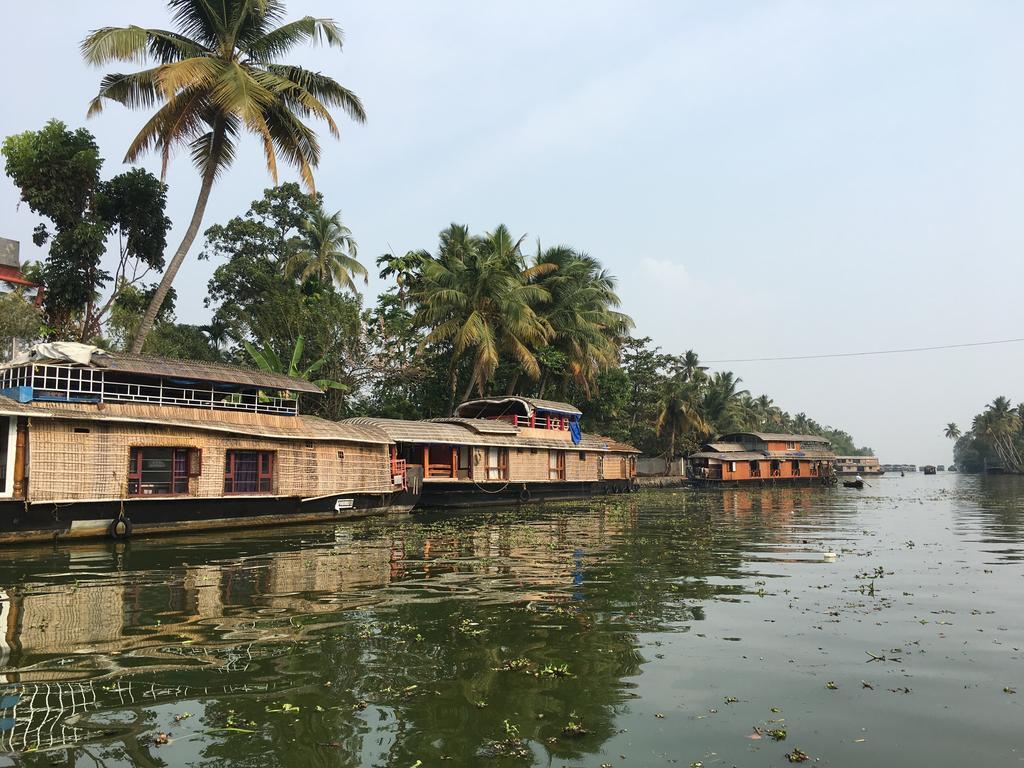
[[853, 484], [150, 516], [462, 494]]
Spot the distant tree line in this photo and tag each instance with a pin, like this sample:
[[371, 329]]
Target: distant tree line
[[995, 440]]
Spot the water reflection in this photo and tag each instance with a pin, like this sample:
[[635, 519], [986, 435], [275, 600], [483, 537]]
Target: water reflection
[[388, 642]]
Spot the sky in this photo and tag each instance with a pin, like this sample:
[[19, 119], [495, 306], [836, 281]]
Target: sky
[[765, 179]]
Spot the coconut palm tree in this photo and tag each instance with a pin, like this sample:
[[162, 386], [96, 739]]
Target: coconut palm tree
[[327, 251], [214, 79], [586, 329], [721, 401], [952, 431], [678, 417], [478, 295]]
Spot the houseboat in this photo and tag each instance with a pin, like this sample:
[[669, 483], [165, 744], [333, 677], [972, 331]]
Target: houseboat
[[763, 458], [857, 465], [95, 443], [508, 449]]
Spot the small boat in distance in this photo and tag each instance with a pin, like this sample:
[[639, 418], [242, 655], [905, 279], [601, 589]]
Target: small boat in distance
[[859, 484], [928, 469]]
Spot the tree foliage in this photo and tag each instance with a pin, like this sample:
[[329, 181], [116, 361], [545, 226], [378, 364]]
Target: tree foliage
[[57, 171], [213, 79]]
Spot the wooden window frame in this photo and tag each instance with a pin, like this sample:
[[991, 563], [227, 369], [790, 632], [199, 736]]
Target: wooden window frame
[[501, 466], [557, 472], [266, 462], [794, 468], [191, 466]]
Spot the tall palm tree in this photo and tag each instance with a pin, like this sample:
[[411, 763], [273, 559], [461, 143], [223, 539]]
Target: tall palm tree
[[586, 329], [215, 78], [678, 416], [721, 402], [327, 251], [952, 431], [478, 296]]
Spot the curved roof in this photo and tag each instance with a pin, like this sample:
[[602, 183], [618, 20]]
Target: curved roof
[[531, 404]]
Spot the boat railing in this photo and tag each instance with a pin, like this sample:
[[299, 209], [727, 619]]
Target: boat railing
[[545, 421], [65, 383]]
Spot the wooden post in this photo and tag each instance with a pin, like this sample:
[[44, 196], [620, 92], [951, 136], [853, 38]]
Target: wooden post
[[20, 446], [426, 461]]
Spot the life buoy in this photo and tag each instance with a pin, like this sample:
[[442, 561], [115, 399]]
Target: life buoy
[[121, 528], [524, 494]]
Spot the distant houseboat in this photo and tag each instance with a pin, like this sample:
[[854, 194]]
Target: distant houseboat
[[95, 443], [857, 465], [508, 449], [928, 469], [763, 457]]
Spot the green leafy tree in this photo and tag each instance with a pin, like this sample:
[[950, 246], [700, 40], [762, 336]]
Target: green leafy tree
[[58, 173], [267, 360], [953, 431], [20, 322], [214, 79]]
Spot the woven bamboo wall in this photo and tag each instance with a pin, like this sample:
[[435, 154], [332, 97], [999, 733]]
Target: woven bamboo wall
[[579, 469], [616, 466], [67, 465]]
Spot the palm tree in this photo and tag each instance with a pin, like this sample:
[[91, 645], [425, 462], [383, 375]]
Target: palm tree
[[721, 402], [213, 79], [478, 296], [678, 417], [952, 431], [586, 329], [403, 268], [327, 251]]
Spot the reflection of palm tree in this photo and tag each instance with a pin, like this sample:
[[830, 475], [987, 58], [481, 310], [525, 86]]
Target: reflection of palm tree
[[952, 431], [215, 79], [327, 251]]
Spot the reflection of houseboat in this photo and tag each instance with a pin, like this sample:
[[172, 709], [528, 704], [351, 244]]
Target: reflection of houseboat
[[763, 457], [857, 465], [503, 449], [97, 443]]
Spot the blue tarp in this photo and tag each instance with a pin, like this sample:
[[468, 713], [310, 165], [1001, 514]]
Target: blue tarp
[[576, 432]]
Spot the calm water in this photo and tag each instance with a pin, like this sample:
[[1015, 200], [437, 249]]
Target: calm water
[[669, 625]]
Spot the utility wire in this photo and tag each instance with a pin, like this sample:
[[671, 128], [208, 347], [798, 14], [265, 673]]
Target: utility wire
[[865, 354]]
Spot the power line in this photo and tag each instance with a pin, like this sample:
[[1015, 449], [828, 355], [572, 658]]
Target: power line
[[865, 354]]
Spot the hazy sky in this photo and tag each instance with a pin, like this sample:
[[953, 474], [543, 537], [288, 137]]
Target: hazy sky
[[764, 178]]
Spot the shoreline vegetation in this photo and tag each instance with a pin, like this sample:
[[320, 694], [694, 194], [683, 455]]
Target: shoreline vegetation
[[995, 441], [480, 314]]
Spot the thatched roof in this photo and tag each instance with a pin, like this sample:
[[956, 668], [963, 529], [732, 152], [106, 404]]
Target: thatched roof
[[309, 428], [462, 432], [480, 426], [730, 455], [202, 371], [776, 437]]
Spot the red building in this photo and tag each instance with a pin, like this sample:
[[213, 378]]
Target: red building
[[11, 277], [763, 457]]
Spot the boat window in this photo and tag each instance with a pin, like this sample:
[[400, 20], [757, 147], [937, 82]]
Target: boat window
[[497, 463], [249, 472], [556, 465], [160, 471]]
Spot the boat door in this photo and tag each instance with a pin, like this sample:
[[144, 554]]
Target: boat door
[[8, 442]]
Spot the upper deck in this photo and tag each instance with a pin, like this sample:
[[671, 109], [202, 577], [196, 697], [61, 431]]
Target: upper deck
[[78, 373]]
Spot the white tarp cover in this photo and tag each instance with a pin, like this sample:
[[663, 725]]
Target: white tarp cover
[[59, 352]]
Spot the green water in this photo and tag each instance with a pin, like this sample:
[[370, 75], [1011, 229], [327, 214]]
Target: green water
[[669, 625]]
